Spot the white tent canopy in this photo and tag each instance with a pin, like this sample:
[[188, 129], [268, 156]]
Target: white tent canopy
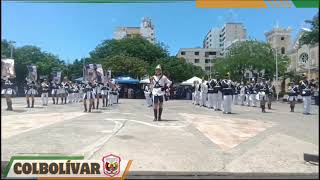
[[191, 80], [145, 81]]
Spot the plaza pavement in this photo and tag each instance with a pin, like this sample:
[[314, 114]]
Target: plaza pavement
[[189, 139]]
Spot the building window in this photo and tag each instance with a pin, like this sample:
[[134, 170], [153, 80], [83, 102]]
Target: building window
[[283, 50], [183, 53], [207, 68], [196, 60], [282, 38], [196, 53], [207, 60], [247, 75], [304, 58], [212, 53]]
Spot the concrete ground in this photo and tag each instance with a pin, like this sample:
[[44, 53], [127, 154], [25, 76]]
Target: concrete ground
[[189, 139]]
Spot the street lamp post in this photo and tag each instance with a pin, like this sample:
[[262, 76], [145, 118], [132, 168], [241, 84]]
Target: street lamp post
[[276, 58]]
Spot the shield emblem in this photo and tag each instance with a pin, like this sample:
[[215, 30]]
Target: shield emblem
[[111, 165]]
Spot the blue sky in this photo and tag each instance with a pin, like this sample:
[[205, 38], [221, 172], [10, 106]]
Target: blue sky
[[71, 31]]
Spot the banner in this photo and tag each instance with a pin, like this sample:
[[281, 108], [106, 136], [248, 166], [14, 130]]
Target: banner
[[56, 76], [90, 73], [99, 72], [7, 68], [32, 72]]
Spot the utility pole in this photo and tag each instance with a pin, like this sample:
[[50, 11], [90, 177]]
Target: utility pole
[[11, 45]]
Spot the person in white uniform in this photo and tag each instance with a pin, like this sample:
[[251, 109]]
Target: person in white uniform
[[210, 85], [305, 90], [242, 93], [292, 95], [147, 94], [89, 94], [217, 94], [159, 83], [30, 91], [44, 92], [204, 93]]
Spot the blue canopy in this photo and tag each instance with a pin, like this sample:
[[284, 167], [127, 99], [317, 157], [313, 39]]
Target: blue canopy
[[126, 80]]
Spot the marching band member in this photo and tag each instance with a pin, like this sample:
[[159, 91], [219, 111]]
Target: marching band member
[[44, 92], [217, 94], [104, 94], [305, 90], [98, 87], [203, 94], [270, 93], [226, 85], [248, 90], [54, 92], [242, 93], [75, 89], [253, 93], [30, 91], [210, 85], [148, 94], [263, 89], [292, 95], [159, 83], [70, 93], [8, 91], [62, 90], [89, 95], [236, 93]]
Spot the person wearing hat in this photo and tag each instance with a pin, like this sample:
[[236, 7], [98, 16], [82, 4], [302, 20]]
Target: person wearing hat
[[270, 94], [305, 90], [197, 92], [242, 94], [159, 83], [262, 89], [227, 87], [54, 91], [204, 93], [44, 92], [8, 91], [292, 95], [236, 92], [210, 85], [217, 94], [253, 93], [30, 91], [88, 95]]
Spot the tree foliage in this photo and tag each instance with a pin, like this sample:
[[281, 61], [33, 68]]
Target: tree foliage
[[131, 47], [253, 56], [311, 37]]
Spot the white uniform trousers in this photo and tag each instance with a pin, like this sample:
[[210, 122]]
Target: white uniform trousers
[[44, 98], [306, 104], [235, 99], [217, 98], [227, 101], [197, 98], [210, 100], [253, 100], [242, 96], [248, 101], [203, 99]]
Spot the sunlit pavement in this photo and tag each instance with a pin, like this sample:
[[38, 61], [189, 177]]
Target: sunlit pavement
[[189, 139]]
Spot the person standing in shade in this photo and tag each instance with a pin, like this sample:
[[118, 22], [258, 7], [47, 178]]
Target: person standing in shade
[[159, 83], [270, 94], [226, 85], [44, 92], [8, 91], [197, 93], [305, 90], [253, 95], [292, 95], [236, 90]]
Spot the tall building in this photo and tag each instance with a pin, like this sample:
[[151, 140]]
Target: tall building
[[230, 33], [212, 39], [224, 37], [145, 30], [279, 39], [203, 57]]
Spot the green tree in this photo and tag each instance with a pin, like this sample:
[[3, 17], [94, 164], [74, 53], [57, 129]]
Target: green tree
[[311, 37], [5, 49], [122, 65], [253, 56], [131, 47]]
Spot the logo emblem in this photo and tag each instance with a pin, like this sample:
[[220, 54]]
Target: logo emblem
[[111, 165]]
